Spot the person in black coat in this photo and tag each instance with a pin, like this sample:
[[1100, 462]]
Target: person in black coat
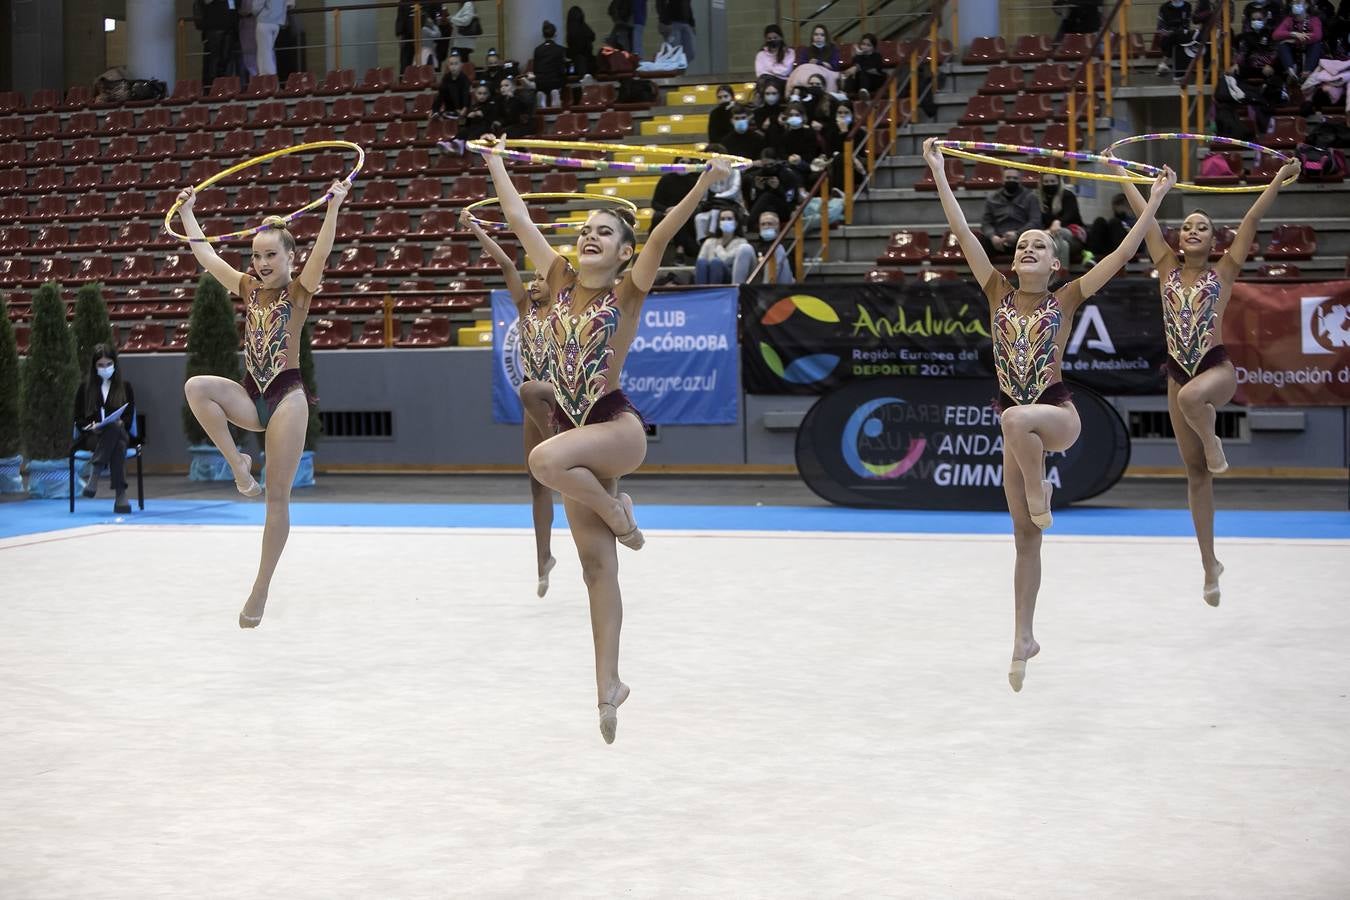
[[103, 392], [801, 143], [550, 68], [455, 93], [580, 43], [719, 119], [219, 25], [742, 139]]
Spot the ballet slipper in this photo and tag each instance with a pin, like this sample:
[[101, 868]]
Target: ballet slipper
[[249, 621], [251, 488], [1017, 672], [1212, 587], [609, 712], [1042, 520], [1216, 468], [632, 538], [543, 576]]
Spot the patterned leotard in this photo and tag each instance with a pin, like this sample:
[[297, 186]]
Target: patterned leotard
[[1026, 352], [266, 337], [1190, 321], [581, 351], [536, 351]]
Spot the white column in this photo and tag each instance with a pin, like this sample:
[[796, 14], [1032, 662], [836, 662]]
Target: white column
[[152, 29]]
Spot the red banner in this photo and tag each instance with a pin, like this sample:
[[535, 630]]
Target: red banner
[[1290, 343]]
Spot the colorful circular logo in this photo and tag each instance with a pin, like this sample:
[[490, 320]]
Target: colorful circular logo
[[1330, 324], [866, 433], [806, 369]]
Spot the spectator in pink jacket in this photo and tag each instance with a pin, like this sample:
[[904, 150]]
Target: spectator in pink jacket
[[1299, 35], [774, 61]]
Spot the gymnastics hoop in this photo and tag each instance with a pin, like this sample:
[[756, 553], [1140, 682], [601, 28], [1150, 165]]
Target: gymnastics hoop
[[623, 202], [1211, 139], [572, 162], [258, 160], [1145, 174]]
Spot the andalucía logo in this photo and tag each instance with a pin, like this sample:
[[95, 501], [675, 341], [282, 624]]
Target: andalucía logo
[[866, 433], [805, 369]]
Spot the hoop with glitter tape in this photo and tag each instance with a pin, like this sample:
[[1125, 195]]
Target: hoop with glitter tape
[[1284, 159], [1145, 174], [258, 160], [510, 149], [503, 226]]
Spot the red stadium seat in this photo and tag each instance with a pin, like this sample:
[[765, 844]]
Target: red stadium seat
[[14, 238], [346, 109], [948, 252], [983, 109], [393, 224], [613, 125], [307, 112], [1050, 78], [121, 148], [15, 270], [201, 169], [48, 152], [237, 143], [186, 90], [210, 201], [262, 86], [387, 108], [266, 115], [331, 334], [275, 139], [52, 268], [376, 195], [86, 178], [449, 258], [13, 154], [338, 81], [196, 145], [985, 177], [412, 161], [132, 235], [1003, 80], [398, 134], [224, 87], [905, 248], [359, 260], [133, 268], [229, 117], [559, 183], [375, 162], [118, 122], [965, 133], [418, 78], [596, 97], [985, 50], [158, 147], [427, 331], [327, 166], [13, 180], [1075, 47], [81, 123], [128, 204], [10, 102], [378, 80], [124, 175], [46, 180], [91, 236], [49, 207], [487, 265], [362, 133], [44, 99], [283, 169], [52, 237], [569, 127], [190, 118], [298, 84], [325, 133], [371, 336], [1291, 242], [91, 206], [252, 199], [145, 337], [422, 104], [956, 176], [1031, 108], [1281, 271], [179, 267], [423, 300], [467, 189], [437, 223], [402, 259], [1289, 132], [885, 276], [82, 150], [1022, 135], [178, 343], [1030, 48]]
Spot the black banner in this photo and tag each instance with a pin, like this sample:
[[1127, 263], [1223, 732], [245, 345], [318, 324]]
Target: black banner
[[921, 443], [797, 342]]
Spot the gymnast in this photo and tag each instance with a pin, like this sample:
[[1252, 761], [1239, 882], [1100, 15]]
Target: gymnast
[[1200, 377], [272, 398], [1036, 411], [592, 323]]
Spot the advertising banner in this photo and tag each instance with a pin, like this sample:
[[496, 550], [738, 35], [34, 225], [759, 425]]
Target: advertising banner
[[681, 369], [1290, 344]]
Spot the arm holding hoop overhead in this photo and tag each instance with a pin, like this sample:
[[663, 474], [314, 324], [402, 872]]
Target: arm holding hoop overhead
[[649, 260], [1230, 266], [1108, 266], [312, 273], [1158, 250], [494, 250], [971, 248], [222, 271], [537, 247]]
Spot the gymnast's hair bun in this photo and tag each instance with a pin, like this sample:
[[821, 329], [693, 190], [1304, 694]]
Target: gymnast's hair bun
[[274, 222]]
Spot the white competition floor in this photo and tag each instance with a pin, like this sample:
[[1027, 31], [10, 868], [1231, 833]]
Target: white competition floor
[[813, 715]]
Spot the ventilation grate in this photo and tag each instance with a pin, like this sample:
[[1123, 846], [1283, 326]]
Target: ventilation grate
[[357, 425], [1156, 424]]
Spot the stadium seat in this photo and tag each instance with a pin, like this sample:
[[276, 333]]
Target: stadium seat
[[210, 201], [81, 123], [345, 110], [387, 108], [1003, 80], [49, 179], [1289, 132], [179, 267], [485, 264], [436, 223], [467, 189], [983, 109], [569, 127], [87, 177], [1291, 242], [52, 268], [124, 175], [375, 163], [1030, 108], [145, 337], [327, 166], [359, 259], [158, 147], [1030, 48], [376, 194], [596, 98], [81, 150], [1281, 271], [613, 125], [186, 90], [412, 161], [134, 268], [13, 153], [425, 299], [129, 204], [48, 207], [190, 118], [1049, 78], [252, 199], [442, 129], [261, 87], [307, 112], [14, 238], [1235, 163], [398, 134], [201, 169], [15, 270], [275, 139], [229, 117], [282, 169], [449, 257], [371, 336], [956, 176], [21, 333], [417, 78], [11, 128], [984, 177], [48, 152], [427, 331], [559, 183], [1075, 47], [90, 236], [44, 99], [298, 84], [10, 102], [13, 180], [362, 133], [52, 237], [948, 252], [196, 145], [984, 51], [402, 259], [178, 343], [1021, 134], [90, 206], [905, 248], [117, 122], [224, 87], [331, 334], [337, 81], [269, 114], [378, 80], [391, 224], [13, 208], [885, 276]]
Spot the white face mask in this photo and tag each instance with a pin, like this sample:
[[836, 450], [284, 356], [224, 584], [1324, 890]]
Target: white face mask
[[1258, 24], [768, 234], [106, 372], [794, 121], [727, 227], [818, 43], [1298, 9]]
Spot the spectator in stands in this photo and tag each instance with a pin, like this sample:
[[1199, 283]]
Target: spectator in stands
[[1274, 10], [1335, 28], [1061, 219], [676, 19], [270, 15], [742, 139], [1298, 41], [769, 226], [105, 391], [1105, 234], [766, 115], [639, 23], [621, 16], [867, 73], [835, 136], [580, 43], [1079, 17], [821, 51], [1256, 59], [719, 119], [801, 143], [248, 39], [1175, 31], [774, 61], [515, 111], [722, 194], [403, 30], [494, 70], [819, 104], [1007, 213], [455, 93], [550, 68], [725, 257], [670, 189], [774, 185], [467, 28], [483, 115], [219, 24]]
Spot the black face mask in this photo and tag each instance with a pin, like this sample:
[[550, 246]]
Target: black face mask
[[1012, 188]]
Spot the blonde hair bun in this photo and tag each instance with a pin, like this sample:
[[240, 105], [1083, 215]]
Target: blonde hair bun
[[274, 222]]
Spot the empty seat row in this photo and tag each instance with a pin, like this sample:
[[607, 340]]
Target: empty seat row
[[989, 109], [1035, 48]]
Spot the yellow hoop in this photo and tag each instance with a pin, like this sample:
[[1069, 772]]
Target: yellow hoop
[[503, 226], [1285, 158], [573, 162], [1146, 173], [257, 160]]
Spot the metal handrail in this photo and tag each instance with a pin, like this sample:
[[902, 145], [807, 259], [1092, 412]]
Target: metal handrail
[[1196, 70], [1087, 69]]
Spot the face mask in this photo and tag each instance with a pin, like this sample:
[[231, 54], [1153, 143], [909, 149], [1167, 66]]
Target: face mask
[[772, 43], [1298, 9], [846, 121], [768, 234], [1012, 188], [727, 227], [771, 99], [1258, 24], [818, 43], [1178, 3], [741, 125], [1049, 188], [794, 121], [726, 102], [106, 372]]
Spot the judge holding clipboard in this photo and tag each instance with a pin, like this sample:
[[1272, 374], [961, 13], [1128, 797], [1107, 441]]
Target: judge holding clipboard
[[104, 417]]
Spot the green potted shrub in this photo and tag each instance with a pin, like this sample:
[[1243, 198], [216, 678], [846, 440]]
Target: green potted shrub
[[304, 473], [49, 382], [212, 349], [91, 324], [11, 441]]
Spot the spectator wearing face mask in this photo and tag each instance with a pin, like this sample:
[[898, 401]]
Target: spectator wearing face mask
[[765, 116], [835, 136], [1274, 10], [1298, 40], [722, 195], [821, 51], [103, 393], [1061, 219], [1105, 234], [725, 257], [719, 119], [774, 186], [774, 61], [801, 142], [867, 73], [819, 103], [742, 139], [1175, 31], [1007, 213], [1255, 56], [769, 227]]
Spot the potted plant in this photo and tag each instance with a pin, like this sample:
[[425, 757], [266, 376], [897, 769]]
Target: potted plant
[[91, 324], [212, 349], [11, 476], [304, 473], [49, 382]]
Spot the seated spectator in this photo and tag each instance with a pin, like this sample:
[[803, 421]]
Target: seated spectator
[[774, 61], [103, 392], [1008, 212], [769, 227], [455, 93], [482, 116], [1255, 56], [801, 142], [1273, 9], [1298, 40], [722, 195], [1175, 32], [494, 69], [550, 68], [514, 110], [835, 136], [1079, 17], [819, 103], [774, 185], [580, 43], [1108, 234], [670, 189], [867, 73], [719, 120], [821, 51], [726, 257], [1061, 218], [1230, 109], [742, 139]]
